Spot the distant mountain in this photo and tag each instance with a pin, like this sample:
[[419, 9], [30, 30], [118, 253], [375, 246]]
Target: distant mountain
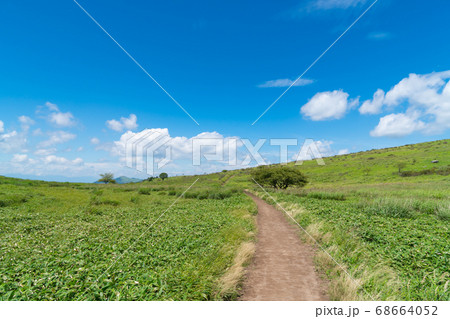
[[127, 180]]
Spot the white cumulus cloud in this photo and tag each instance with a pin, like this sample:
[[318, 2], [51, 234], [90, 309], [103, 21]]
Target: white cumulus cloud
[[397, 125], [375, 105], [62, 119], [58, 118], [328, 105], [2, 127], [425, 100], [181, 146], [181, 149], [124, 123], [95, 141]]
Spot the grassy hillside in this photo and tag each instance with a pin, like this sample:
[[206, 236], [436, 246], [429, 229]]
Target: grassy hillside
[[377, 166], [388, 229], [370, 167]]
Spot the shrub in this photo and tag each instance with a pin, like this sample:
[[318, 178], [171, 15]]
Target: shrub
[[110, 202], [279, 176], [97, 192], [98, 201], [145, 191], [134, 199], [202, 195], [172, 192]]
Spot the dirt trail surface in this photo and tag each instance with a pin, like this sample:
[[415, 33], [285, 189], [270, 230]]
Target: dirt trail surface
[[282, 268]]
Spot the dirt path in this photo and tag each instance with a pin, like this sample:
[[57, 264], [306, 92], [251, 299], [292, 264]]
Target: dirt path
[[282, 268]]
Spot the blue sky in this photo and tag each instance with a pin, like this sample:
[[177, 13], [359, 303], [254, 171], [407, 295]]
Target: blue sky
[[62, 78]]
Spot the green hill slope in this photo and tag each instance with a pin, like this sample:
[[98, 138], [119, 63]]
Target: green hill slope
[[369, 167], [383, 165]]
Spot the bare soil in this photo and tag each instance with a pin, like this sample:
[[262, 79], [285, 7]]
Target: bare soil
[[282, 267]]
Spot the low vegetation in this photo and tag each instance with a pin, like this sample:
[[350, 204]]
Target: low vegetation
[[99, 242], [387, 225], [383, 215], [396, 248]]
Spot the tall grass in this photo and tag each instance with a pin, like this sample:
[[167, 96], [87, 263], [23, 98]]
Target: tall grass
[[405, 208], [205, 193], [12, 199]]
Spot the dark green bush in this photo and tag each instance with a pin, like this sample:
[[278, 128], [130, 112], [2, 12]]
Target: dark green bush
[[10, 200], [279, 176], [145, 191]]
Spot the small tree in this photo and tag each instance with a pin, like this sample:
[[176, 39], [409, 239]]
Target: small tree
[[107, 178], [279, 176], [401, 166], [366, 171], [150, 179], [163, 176]]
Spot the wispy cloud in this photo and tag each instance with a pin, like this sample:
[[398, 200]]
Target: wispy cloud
[[379, 35], [13, 142], [281, 83], [57, 138], [20, 158], [45, 152], [26, 122], [334, 4]]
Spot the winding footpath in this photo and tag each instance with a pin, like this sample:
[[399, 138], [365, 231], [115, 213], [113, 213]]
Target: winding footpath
[[282, 267]]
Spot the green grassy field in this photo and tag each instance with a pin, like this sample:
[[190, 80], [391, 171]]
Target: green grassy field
[[58, 239], [385, 223]]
